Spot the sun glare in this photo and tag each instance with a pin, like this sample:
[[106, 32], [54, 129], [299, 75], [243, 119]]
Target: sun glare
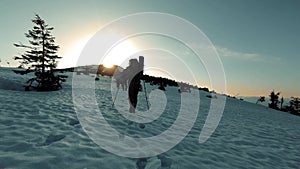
[[72, 53], [119, 53], [116, 56], [108, 65]]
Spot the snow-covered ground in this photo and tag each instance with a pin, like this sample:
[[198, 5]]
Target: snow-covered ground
[[41, 130]]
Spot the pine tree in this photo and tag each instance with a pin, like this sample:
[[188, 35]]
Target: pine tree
[[295, 105], [40, 56], [274, 100]]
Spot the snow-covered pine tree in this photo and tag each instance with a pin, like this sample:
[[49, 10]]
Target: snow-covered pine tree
[[41, 57]]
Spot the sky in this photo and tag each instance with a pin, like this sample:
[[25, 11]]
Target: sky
[[257, 40]]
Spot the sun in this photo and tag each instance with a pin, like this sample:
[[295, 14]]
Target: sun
[[115, 56], [108, 65], [119, 53]]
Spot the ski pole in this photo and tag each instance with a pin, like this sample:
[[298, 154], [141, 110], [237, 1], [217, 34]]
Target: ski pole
[[115, 98], [146, 94]]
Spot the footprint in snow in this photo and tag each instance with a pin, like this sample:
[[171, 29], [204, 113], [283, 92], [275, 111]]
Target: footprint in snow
[[51, 139]]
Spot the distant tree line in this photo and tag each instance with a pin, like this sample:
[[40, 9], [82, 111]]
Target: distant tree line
[[104, 71], [159, 81], [277, 103]]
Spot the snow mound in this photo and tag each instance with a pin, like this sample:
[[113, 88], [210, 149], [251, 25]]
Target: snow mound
[[11, 81], [7, 84]]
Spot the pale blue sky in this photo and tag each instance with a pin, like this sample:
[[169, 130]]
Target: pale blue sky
[[257, 40]]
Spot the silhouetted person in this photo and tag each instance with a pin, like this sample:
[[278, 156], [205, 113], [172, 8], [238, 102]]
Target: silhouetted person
[[261, 99], [121, 79], [281, 103], [133, 76]]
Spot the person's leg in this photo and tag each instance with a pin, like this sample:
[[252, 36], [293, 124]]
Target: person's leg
[[132, 101], [133, 94]]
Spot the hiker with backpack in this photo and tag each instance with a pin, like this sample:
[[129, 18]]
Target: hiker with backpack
[[131, 76]]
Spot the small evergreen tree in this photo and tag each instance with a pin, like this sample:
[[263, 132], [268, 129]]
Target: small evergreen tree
[[40, 56], [274, 100], [295, 105]]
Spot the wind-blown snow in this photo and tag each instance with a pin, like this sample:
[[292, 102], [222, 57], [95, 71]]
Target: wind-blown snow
[[41, 130]]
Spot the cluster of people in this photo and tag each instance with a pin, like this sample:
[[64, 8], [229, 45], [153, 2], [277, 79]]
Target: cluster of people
[[129, 79]]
